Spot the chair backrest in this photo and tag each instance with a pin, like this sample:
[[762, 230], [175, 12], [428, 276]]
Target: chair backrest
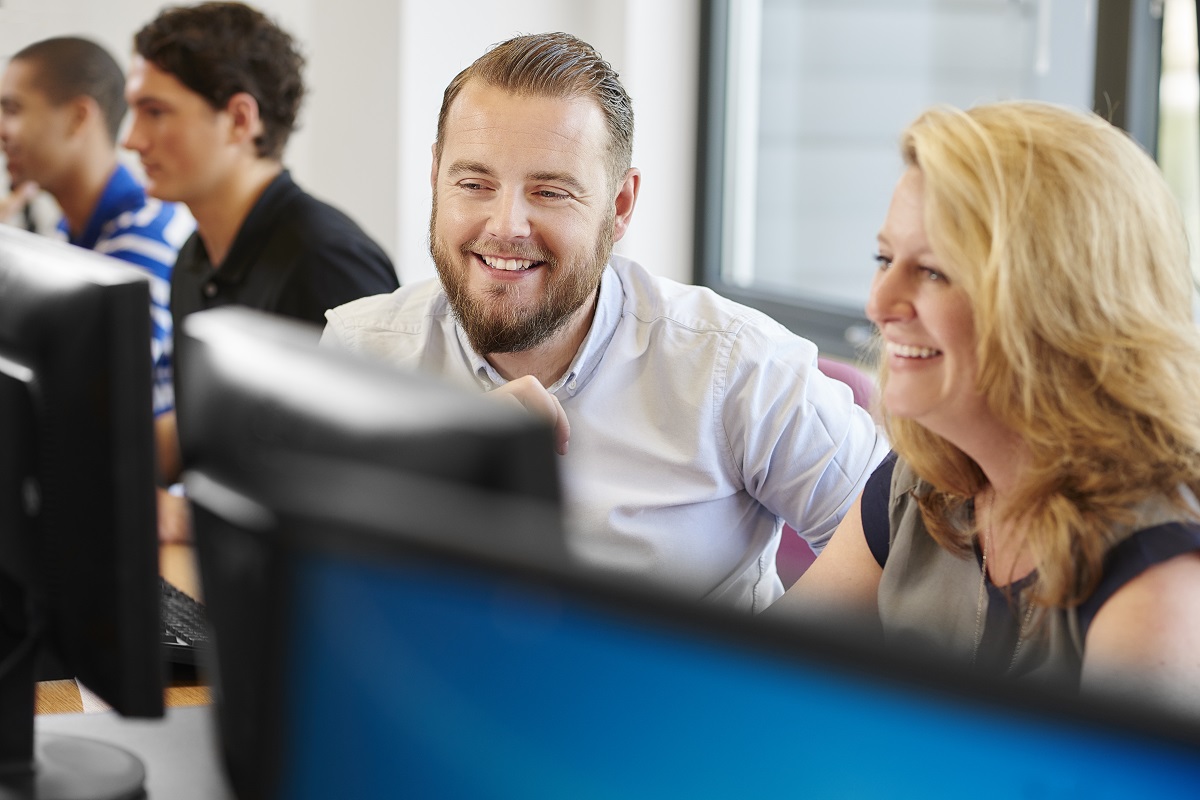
[[794, 554], [860, 383]]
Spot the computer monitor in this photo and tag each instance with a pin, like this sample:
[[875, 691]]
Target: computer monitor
[[395, 615], [285, 444], [78, 540]]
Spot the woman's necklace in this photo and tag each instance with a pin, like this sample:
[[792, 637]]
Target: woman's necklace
[[979, 606]]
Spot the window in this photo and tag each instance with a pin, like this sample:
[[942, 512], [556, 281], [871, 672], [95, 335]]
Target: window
[[1179, 115], [804, 102]]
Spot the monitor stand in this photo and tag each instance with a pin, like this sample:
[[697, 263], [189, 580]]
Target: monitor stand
[[48, 767], [52, 766], [75, 768]]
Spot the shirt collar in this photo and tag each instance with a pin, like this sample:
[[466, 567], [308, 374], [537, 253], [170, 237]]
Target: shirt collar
[[122, 193], [252, 236], [609, 304]]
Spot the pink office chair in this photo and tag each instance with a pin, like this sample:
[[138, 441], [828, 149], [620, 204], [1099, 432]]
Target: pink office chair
[[794, 554]]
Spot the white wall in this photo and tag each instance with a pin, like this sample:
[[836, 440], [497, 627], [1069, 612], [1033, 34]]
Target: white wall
[[376, 71], [653, 45]]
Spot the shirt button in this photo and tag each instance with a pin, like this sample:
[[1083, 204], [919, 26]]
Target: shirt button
[[211, 289], [571, 386]]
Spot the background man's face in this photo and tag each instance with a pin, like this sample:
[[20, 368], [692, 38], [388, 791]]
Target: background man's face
[[180, 138], [34, 133], [522, 222]]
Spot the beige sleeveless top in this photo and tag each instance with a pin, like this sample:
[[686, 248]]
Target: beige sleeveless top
[[930, 598]]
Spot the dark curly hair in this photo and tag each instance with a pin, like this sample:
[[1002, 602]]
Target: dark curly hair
[[68, 67], [220, 49]]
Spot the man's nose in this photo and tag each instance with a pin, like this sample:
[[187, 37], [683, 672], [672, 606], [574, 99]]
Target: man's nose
[[509, 215]]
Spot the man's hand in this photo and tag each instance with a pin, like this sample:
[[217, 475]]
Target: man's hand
[[20, 197], [533, 397]]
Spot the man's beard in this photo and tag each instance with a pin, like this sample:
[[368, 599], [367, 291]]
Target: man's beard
[[495, 322]]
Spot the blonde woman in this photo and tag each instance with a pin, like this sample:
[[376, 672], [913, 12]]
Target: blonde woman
[[1040, 373]]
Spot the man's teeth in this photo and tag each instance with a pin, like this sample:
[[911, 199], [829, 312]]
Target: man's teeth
[[509, 264], [908, 351]]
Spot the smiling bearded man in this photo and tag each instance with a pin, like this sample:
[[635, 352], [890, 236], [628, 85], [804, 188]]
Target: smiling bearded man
[[697, 426], [496, 322]]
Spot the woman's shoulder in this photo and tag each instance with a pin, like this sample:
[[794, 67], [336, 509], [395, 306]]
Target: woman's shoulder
[[1150, 628], [1138, 554]]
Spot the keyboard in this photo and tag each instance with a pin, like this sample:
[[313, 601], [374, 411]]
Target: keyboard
[[184, 625]]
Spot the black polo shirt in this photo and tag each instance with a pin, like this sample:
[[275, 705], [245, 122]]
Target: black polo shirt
[[294, 255]]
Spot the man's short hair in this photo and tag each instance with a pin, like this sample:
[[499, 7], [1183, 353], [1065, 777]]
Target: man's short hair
[[67, 67], [554, 65], [220, 49]]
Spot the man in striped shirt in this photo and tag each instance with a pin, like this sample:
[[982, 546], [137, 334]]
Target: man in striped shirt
[[61, 105]]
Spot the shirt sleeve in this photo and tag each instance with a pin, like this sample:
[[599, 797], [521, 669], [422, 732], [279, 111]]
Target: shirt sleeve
[[803, 447], [149, 239], [333, 337]]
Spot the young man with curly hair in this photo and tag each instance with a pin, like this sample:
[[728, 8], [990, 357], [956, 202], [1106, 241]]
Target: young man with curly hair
[[214, 90]]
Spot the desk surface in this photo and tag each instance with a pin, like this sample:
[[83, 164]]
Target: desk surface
[[179, 751], [177, 563]]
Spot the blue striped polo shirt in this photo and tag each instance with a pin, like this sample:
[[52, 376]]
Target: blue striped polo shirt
[[147, 233]]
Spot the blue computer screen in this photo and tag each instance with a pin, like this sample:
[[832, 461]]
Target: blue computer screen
[[414, 678]]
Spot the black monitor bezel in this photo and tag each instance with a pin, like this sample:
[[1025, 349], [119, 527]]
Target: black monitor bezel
[[75, 345]]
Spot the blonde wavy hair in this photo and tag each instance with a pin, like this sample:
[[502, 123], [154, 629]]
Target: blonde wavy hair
[[1072, 251]]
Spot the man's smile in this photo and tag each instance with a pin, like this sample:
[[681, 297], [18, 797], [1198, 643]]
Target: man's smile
[[508, 264]]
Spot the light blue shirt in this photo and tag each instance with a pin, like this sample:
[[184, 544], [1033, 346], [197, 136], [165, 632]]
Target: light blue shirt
[[698, 426]]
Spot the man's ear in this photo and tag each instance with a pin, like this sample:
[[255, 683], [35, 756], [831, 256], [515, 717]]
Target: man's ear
[[245, 123], [82, 109], [624, 202], [434, 169]]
